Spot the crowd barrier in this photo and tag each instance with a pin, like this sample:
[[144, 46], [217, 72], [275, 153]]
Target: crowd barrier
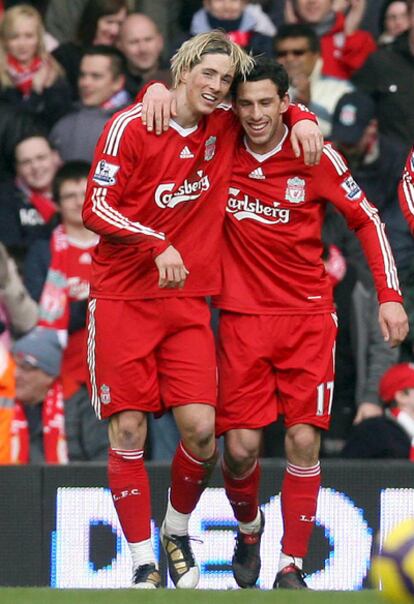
[[58, 526]]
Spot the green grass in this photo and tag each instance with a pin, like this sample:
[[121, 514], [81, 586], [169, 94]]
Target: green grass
[[164, 596]]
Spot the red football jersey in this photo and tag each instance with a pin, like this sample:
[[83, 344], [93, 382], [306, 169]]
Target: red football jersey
[[146, 192], [272, 258], [406, 191]]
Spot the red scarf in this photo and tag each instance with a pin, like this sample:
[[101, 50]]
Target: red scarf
[[53, 422], [22, 75], [42, 203]]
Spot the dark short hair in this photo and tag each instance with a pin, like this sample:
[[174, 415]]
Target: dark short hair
[[92, 12], [118, 61], [265, 69], [298, 30], [71, 170], [37, 133]]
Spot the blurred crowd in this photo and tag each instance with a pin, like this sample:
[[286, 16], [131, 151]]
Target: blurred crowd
[[66, 66]]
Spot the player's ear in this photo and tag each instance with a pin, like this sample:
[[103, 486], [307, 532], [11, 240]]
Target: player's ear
[[284, 103]]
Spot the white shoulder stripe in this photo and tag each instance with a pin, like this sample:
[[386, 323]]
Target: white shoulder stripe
[[91, 357], [117, 124], [102, 209], [408, 189], [389, 264], [335, 159]]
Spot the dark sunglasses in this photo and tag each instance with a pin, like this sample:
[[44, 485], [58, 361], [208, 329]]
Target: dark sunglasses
[[296, 52]]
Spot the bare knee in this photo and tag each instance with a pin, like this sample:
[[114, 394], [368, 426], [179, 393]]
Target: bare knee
[[241, 450], [128, 430], [302, 444], [199, 437], [196, 426]]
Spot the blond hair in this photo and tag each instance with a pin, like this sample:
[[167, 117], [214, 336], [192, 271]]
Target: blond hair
[[7, 26], [192, 51]]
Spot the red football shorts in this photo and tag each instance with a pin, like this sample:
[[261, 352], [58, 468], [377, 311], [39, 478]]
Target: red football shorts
[[275, 364], [149, 355]]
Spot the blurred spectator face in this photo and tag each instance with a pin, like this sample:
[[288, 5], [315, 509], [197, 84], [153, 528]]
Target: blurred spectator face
[[405, 400], [32, 383], [141, 43], [225, 9], [313, 11], [36, 163], [71, 197], [22, 40], [97, 83], [108, 27], [396, 18], [295, 55]]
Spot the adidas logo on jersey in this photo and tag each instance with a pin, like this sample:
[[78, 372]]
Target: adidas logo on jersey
[[186, 153], [257, 174]]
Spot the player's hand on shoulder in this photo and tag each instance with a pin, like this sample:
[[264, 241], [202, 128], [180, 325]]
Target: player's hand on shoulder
[[393, 321], [307, 138], [158, 107], [171, 269]]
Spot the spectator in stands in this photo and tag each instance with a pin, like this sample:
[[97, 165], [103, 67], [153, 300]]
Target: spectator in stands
[[344, 48], [142, 44], [18, 312], [387, 77], [27, 211], [58, 276], [102, 93], [390, 435], [246, 24], [376, 162], [30, 78], [38, 424], [393, 20], [297, 48], [99, 24]]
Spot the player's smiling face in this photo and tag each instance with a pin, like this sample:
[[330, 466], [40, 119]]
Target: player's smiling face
[[259, 108], [208, 83]]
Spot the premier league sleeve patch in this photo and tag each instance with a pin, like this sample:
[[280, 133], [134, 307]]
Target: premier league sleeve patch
[[351, 188], [105, 173]]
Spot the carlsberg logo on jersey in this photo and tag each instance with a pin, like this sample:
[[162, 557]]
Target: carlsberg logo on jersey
[[188, 191], [254, 209]]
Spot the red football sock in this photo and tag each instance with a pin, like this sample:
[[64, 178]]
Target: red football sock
[[299, 499], [128, 481], [189, 478], [243, 492]]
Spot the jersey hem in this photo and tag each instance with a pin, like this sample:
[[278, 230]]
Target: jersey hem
[[277, 311]]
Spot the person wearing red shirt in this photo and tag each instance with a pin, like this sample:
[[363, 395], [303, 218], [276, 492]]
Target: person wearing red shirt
[[406, 191], [344, 48], [158, 204], [277, 323]]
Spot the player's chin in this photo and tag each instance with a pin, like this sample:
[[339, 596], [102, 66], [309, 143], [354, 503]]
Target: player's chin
[[207, 107]]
